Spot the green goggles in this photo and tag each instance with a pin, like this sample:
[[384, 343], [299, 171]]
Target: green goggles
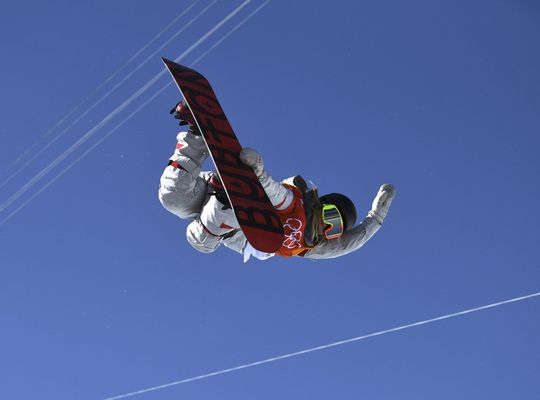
[[333, 222]]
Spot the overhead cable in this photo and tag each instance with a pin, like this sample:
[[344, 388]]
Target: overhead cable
[[322, 347]]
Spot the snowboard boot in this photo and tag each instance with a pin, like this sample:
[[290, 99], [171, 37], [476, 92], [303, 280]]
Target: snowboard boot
[[215, 182], [381, 203], [217, 189]]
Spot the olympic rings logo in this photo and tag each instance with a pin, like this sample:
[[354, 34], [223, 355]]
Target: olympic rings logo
[[293, 233]]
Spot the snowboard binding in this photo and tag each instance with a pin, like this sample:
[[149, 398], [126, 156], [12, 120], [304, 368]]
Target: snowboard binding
[[181, 112]]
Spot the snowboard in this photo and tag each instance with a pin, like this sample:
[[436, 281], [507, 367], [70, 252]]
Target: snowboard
[[252, 208]]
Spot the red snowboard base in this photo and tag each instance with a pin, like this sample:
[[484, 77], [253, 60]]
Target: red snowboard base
[[254, 211]]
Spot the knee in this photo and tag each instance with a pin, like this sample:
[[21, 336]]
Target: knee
[[167, 198], [200, 238], [173, 202]]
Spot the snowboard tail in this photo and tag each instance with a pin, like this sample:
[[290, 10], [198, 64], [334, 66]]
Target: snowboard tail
[[254, 211]]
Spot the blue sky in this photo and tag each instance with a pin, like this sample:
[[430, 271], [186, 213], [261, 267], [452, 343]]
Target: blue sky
[[101, 295]]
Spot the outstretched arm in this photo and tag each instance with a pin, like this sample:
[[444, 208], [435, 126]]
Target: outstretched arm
[[355, 238], [350, 241], [280, 196]]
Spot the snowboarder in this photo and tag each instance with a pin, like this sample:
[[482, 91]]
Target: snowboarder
[[315, 227]]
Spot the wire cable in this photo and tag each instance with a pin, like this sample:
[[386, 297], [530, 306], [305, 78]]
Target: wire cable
[[230, 32], [323, 347], [84, 154], [113, 113], [135, 112], [30, 160]]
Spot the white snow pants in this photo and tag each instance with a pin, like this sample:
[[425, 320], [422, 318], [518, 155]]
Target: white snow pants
[[182, 190]]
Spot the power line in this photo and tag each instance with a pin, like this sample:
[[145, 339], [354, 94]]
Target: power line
[[30, 160], [113, 113], [323, 347], [84, 154], [133, 113], [230, 32]]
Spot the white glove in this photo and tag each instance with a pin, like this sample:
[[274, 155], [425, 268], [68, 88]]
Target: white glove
[[381, 203], [252, 159]]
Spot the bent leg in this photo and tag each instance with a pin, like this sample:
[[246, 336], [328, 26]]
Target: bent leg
[[181, 191]]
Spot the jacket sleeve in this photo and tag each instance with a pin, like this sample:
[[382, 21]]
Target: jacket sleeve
[[280, 196], [350, 241]]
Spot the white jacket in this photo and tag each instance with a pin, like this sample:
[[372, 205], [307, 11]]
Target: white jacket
[[205, 233]]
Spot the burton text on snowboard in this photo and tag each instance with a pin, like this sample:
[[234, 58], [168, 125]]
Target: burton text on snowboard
[[254, 211]]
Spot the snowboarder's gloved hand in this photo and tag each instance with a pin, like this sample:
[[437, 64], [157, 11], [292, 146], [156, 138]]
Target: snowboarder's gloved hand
[[181, 112], [252, 159], [381, 203]]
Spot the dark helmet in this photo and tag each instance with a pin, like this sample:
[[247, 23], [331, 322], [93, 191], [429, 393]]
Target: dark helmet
[[344, 204]]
